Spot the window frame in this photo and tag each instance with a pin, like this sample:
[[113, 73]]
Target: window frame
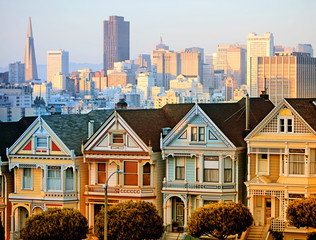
[[298, 163], [181, 168], [146, 174], [286, 125], [259, 158], [47, 179], [70, 169], [22, 180], [122, 141], [131, 173], [104, 171], [216, 169], [199, 135], [226, 168]]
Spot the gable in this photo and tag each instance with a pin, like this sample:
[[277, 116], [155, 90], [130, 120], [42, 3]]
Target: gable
[[196, 129], [282, 121], [115, 135], [39, 139]]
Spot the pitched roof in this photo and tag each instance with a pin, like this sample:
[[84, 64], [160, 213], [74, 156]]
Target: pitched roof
[[72, 128], [148, 123], [306, 108], [231, 117], [10, 132]]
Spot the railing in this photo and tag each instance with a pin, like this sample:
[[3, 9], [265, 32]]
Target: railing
[[196, 186], [120, 191], [277, 225]]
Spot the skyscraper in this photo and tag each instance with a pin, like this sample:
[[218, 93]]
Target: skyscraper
[[29, 59], [115, 41], [57, 62], [16, 73], [307, 48], [257, 46]]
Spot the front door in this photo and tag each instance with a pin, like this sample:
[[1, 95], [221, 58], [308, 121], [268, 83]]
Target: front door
[[180, 213], [267, 210]]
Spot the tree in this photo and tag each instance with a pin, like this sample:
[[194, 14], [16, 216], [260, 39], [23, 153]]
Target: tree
[[219, 220], [130, 220], [302, 212], [56, 224], [39, 101]]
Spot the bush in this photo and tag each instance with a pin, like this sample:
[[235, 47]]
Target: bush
[[55, 224], [219, 220], [301, 212], [130, 220]]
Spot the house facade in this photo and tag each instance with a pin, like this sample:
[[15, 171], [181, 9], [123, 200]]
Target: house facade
[[282, 164], [206, 156], [47, 165], [128, 140]]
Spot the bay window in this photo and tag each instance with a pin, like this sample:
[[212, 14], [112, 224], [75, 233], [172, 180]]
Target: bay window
[[297, 161], [227, 169], [180, 169], [26, 178], [69, 179], [101, 173], [146, 174]]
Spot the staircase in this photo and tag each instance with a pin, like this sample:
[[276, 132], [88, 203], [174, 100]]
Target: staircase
[[174, 236], [256, 233]]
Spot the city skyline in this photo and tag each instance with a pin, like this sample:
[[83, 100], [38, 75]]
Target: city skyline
[[77, 25]]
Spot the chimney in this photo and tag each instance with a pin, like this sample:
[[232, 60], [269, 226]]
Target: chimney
[[264, 94], [90, 128], [247, 112]]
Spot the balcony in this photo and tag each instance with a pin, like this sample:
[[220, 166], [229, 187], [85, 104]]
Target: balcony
[[121, 191], [199, 187]]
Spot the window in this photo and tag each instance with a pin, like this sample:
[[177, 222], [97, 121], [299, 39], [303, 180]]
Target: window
[[130, 173], [101, 173], [27, 178], [54, 178], [146, 174], [263, 163], [69, 179], [313, 161], [211, 172], [180, 169], [197, 134], [41, 142], [286, 121], [227, 169], [297, 161], [117, 138]]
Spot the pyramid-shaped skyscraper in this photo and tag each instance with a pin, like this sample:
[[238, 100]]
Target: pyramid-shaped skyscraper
[[29, 59]]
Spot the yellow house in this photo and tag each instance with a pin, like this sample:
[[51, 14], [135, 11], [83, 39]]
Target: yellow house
[[48, 165], [282, 164]]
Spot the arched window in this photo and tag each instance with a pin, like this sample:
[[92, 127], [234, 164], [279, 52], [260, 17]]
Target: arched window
[[146, 174], [69, 179]]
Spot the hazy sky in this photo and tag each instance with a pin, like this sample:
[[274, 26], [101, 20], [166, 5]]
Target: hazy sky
[[77, 25]]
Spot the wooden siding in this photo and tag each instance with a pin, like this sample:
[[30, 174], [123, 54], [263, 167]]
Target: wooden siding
[[190, 169], [159, 176], [171, 169], [274, 167], [84, 180], [253, 166], [36, 180]]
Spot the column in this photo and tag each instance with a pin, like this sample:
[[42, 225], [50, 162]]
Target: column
[[201, 168], [91, 213], [221, 168], [185, 216]]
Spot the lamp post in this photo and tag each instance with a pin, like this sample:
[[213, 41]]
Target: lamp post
[[105, 186]]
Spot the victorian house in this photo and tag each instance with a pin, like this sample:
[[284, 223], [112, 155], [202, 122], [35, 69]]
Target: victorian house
[[282, 164], [128, 140], [205, 156], [9, 133], [47, 165]]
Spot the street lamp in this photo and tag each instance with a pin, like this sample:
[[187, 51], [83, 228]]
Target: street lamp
[[105, 186]]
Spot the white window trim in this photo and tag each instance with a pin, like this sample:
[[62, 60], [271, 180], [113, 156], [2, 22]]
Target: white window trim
[[190, 126], [73, 179], [306, 173], [117, 144], [220, 169], [32, 184], [285, 117], [175, 170], [61, 179], [257, 165]]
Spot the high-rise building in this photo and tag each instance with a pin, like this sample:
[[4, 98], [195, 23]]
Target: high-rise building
[[16, 73], [287, 75], [237, 63], [115, 41], [257, 46], [29, 59], [306, 48], [57, 62]]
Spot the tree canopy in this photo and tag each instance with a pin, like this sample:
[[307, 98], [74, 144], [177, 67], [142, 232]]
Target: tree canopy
[[55, 224], [130, 220], [301, 213], [219, 220]]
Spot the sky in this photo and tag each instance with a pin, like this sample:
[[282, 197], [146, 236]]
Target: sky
[[77, 25]]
